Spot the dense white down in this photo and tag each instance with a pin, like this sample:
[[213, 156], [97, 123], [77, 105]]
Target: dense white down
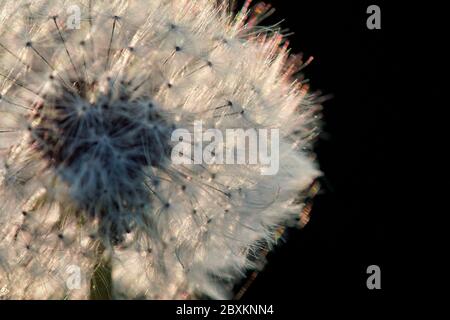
[[185, 230]]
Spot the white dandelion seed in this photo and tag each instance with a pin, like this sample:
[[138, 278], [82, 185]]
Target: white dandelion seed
[[86, 116]]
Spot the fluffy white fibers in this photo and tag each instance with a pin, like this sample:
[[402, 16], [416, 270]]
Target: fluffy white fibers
[[90, 94]]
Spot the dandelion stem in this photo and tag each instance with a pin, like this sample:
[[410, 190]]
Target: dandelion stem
[[101, 281]]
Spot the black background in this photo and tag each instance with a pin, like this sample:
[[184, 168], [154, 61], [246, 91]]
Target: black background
[[329, 257]]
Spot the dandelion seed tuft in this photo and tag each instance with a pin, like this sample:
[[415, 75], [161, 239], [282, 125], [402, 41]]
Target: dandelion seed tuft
[[89, 99]]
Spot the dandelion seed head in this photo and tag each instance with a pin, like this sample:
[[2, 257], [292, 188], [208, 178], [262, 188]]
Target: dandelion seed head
[[86, 117]]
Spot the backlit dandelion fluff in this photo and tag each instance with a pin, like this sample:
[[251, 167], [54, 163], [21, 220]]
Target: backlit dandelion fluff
[[86, 117]]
